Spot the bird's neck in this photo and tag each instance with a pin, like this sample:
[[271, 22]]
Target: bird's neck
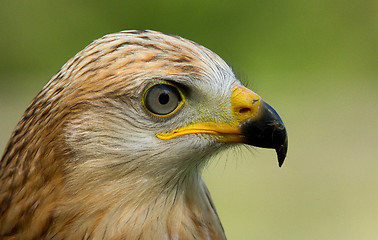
[[181, 211]]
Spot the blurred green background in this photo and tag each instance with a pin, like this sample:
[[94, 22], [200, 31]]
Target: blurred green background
[[315, 61]]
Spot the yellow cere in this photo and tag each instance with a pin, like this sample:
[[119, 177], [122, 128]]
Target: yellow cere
[[244, 103]]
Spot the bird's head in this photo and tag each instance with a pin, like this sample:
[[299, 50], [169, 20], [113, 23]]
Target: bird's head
[[151, 103], [113, 145]]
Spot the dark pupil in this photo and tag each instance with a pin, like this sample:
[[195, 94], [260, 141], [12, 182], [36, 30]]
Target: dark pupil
[[163, 98]]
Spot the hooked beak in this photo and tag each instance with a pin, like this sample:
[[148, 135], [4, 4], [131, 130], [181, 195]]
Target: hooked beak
[[266, 130]]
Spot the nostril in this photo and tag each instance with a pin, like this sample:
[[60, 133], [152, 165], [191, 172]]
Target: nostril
[[244, 110]]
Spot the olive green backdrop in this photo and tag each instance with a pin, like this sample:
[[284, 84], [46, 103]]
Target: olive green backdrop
[[315, 61]]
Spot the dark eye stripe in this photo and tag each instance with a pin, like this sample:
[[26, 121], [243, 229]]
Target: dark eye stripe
[[162, 99]]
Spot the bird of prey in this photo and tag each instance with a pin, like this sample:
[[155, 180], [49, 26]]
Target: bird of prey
[[113, 146]]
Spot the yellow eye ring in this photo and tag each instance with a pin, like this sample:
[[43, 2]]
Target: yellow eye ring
[[162, 99]]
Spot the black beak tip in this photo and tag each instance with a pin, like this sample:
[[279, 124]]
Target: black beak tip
[[281, 153]]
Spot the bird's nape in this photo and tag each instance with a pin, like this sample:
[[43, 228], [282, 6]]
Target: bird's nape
[[112, 147]]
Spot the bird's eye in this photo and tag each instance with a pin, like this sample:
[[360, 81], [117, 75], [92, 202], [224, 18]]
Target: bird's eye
[[162, 99]]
